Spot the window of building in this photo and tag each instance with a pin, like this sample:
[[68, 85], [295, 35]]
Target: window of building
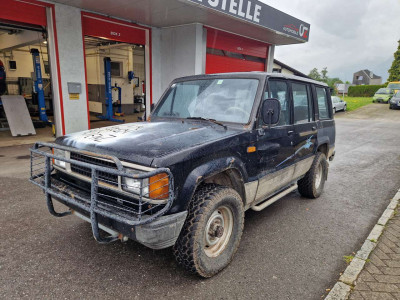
[[116, 69], [301, 103], [279, 90], [276, 70], [322, 103]]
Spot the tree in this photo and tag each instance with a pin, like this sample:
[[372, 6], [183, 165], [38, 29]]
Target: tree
[[394, 71], [324, 74], [314, 74]]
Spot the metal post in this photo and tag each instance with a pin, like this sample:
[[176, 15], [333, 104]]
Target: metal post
[[109, 108], [47, 184], [39, 85], [93, 215]]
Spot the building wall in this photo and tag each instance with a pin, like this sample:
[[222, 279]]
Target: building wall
[[282, 70], [24, 62], [181, 52], [71, 59], [376, 81]]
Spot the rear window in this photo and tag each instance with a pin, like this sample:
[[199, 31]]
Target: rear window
[[383, 91], [322, 103], [395, 86]]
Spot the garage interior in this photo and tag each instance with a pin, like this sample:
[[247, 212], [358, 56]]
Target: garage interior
[[20, 47], [127, 70]]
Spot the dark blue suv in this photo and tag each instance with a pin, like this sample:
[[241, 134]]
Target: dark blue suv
[[215, 146]]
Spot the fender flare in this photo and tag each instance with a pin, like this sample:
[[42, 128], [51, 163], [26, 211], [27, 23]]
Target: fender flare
[[209, 169]]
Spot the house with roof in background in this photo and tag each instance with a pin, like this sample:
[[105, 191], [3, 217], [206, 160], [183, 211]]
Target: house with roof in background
[[366, 77], [280, 67]]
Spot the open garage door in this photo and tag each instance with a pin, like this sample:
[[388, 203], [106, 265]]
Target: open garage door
[[227, 52], [29, 97], [123, 93]]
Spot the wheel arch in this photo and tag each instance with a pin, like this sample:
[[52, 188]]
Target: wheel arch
[[228, 171]]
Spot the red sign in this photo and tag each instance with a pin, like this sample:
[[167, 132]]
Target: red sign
[[110, 30], [29, 13]]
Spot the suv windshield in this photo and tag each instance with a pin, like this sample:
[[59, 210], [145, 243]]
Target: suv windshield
[[225, 100], [383, 91], [395, 86]]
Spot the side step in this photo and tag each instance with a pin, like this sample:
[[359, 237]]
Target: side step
[[275, 198]]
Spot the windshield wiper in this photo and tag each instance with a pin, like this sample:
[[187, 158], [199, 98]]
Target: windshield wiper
[[206, 119]]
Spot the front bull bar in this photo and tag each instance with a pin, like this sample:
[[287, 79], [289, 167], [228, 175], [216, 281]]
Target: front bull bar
[[42, 169]]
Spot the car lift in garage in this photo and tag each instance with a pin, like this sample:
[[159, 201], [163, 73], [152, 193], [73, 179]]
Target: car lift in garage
[[38, 86], [109, 116]]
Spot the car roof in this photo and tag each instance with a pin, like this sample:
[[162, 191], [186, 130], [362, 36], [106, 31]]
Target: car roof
[[255, 75]]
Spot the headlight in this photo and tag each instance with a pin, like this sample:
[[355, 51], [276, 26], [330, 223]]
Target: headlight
[[133, 185], [155, 187], [59, 153]]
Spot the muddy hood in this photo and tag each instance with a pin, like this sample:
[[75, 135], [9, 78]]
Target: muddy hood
[[143, 142]]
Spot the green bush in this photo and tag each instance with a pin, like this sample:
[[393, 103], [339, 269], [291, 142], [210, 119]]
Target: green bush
[[364, 90]]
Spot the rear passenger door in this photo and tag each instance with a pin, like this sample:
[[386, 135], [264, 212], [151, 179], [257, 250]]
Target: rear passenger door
[[305, 127]]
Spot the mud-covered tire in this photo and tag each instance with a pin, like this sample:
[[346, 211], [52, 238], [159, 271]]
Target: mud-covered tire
[[190, 249], [312, 184]]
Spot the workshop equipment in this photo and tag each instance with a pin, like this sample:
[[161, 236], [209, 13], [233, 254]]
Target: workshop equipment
[[119, 112], [17, 114], [109, 116], [38, 85]]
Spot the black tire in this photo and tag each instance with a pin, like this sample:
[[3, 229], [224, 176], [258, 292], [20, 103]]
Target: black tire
[[334, 110], [310, 186], [190, 250], [345, 108]]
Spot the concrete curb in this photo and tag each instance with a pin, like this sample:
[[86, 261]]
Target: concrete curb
[[342, 289]]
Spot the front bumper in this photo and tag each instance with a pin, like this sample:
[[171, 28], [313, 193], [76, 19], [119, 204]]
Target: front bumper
[[131, 215]]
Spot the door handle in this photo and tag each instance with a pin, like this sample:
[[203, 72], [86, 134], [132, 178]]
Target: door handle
[[314, 128], [290, 132]]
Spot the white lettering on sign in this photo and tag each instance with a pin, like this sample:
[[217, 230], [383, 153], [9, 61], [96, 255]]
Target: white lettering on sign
[[115, 33], [241, 8], [232, 7]]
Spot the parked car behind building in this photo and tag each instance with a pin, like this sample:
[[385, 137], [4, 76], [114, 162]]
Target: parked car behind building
[[383, 95], [394, 103], [338, 104]]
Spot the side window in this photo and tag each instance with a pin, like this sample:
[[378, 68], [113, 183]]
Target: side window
[[279, 90], [301, 103], [322, 103]]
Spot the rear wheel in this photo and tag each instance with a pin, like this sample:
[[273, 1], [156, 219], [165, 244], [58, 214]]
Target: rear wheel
[[312, 184], [212, 230]]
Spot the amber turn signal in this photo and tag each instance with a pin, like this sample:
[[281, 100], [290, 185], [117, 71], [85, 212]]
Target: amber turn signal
[[251, 149], [159, 186]]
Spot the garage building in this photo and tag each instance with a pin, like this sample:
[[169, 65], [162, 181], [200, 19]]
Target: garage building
[[145, 44]]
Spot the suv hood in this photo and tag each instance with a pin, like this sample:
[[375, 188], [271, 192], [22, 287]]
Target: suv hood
[[142, 142]]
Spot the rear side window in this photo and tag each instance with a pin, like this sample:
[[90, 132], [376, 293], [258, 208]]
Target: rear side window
[[301, 103], [279, 90], [322, 103]]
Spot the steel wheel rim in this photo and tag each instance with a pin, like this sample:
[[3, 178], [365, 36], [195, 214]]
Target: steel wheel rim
[[218, 231], [318, 176]]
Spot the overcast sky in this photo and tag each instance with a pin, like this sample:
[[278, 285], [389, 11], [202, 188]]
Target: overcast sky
[[346, 35]]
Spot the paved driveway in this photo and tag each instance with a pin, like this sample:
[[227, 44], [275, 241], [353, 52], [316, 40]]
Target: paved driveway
[[292, 250]]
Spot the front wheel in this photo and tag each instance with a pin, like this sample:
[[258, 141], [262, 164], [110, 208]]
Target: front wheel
[[212, 230], [345, 108], [312, 184]]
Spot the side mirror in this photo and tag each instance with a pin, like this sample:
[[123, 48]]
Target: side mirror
[[271, 110]]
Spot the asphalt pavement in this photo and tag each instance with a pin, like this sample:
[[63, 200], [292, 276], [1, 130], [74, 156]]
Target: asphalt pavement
[[292, 250]]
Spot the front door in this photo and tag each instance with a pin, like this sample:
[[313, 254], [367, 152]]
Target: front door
[[275, 145]]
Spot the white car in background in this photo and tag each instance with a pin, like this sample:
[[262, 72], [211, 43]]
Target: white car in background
[[338, 104]]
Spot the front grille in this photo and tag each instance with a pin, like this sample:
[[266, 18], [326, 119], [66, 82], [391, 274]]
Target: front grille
[[103, 176]]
